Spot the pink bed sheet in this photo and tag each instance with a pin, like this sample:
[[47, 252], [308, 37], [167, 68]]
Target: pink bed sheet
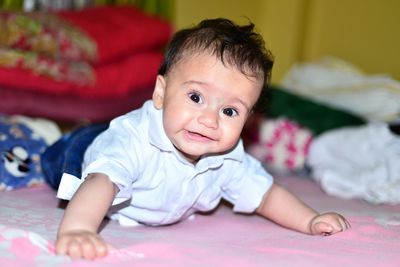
[[29, 220]]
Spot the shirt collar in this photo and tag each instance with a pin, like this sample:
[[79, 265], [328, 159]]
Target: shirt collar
[[157, 135], [159, 139]]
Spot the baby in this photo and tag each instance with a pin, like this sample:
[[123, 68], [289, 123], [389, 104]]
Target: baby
[[181, 152]]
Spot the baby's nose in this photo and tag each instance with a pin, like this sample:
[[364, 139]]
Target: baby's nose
[[209, 118]]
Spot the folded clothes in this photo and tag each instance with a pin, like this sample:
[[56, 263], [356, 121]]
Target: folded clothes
[[137, 71], [339, 84], [69, 108], [286, 125], [98, 52], [310, 114], [97, 35]]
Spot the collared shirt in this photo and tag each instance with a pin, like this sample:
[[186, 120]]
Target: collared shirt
[[156, 184]]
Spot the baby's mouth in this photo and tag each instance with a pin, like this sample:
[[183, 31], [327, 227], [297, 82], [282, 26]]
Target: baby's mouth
[[197, 136]]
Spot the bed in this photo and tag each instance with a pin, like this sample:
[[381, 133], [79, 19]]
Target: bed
[[29, 219]]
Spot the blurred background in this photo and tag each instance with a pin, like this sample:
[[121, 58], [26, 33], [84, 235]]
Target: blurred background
[[362, 32]]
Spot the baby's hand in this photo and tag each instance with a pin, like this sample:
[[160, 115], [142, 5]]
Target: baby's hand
[[81, 244], [328, 224]]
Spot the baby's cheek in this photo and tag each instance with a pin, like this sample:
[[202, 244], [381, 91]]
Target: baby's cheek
[[232, 139]]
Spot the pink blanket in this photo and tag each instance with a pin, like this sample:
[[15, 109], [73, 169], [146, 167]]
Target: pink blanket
[[29, 220]]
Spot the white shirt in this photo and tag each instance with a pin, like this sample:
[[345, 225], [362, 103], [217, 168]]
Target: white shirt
[[157, 185]]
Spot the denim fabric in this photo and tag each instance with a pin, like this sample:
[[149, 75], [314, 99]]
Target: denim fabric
[[66, 155]]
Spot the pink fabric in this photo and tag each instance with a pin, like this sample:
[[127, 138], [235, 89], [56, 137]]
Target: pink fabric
[[70, 108], [218, 239], [282, 144]]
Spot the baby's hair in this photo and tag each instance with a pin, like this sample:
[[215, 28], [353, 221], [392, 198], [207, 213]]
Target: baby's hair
[[235, 45]]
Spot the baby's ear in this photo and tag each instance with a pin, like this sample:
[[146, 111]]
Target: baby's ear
[[159, 91]]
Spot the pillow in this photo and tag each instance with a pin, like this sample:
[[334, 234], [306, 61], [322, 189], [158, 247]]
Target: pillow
[[120, 30], [97, 34], [78, 72], [112, 80]]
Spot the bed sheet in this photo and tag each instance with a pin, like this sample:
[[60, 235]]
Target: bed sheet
[[29, 220]]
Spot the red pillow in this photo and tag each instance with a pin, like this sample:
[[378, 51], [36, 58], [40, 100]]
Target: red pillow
[[116, 79], [96, 34], [120, 30]]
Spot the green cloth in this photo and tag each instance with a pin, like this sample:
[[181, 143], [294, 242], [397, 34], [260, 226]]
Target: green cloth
[[318, 118]]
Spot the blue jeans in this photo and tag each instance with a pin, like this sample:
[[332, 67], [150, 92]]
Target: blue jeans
[[66, 155]]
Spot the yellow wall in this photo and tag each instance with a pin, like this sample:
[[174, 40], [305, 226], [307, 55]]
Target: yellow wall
[[362, 32]]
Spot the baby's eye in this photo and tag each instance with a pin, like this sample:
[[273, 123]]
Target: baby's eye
[[195, 97], [230, 112]]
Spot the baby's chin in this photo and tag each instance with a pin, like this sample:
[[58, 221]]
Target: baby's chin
[[194, 152]]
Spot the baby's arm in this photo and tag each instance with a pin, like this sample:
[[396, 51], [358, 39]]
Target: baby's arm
[[77, 234], [284, 208]]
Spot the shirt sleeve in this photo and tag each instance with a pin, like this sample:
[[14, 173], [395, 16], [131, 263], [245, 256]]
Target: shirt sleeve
[[114, 153], [247, 185]]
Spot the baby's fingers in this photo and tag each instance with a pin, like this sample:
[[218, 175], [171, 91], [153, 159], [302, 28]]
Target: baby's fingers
[[89, 247], [77, 250], [328, 224], [86, 246], [338, 223], [101, 247], [344, 224], [322, 228], [61, 246]]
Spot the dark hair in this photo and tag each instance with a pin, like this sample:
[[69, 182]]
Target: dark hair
[[236, 45]]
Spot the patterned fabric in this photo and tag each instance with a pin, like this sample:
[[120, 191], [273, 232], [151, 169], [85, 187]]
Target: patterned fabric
[[48, 55], [282, 144], [46, 34], [28, 248], [78, 72], [46, 45], [20, 151]]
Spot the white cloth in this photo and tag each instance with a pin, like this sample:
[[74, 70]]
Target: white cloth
[[46, 129], [338, 84], [358, 162], [159, 185]]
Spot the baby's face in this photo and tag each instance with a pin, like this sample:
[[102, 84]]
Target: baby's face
[[205, 104]]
